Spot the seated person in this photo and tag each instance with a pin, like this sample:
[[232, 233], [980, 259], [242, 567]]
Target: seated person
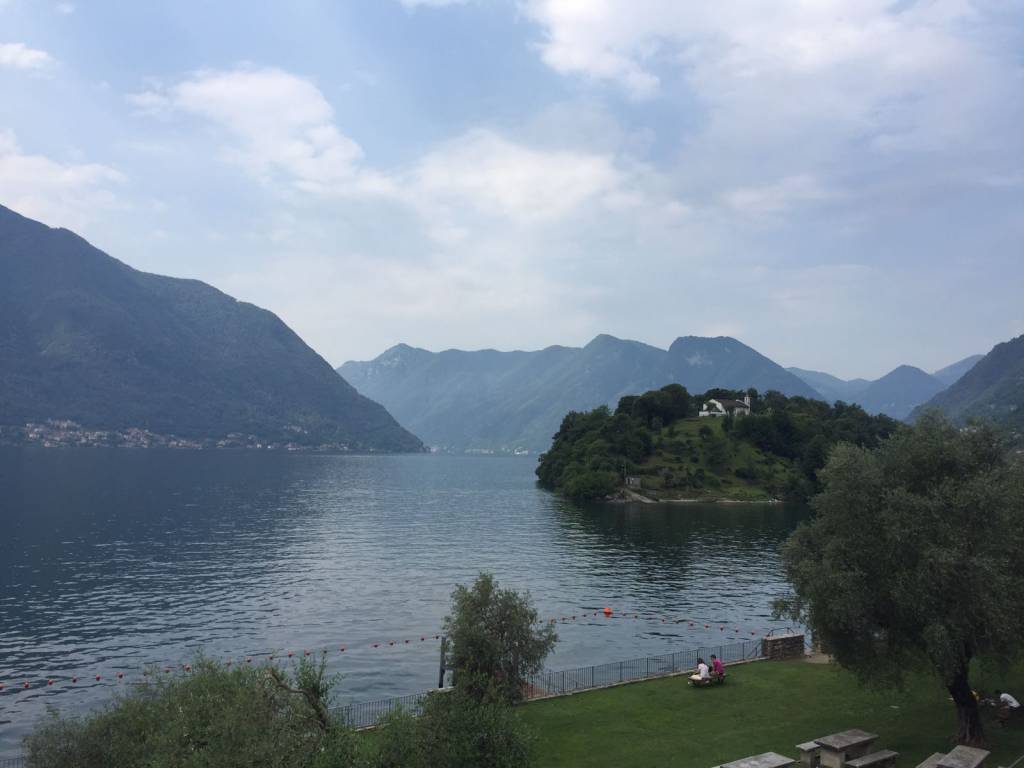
[[1004, 699], [716, 666], [702, 674]]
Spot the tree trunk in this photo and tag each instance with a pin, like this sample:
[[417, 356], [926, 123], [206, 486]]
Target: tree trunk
[[969, 729]]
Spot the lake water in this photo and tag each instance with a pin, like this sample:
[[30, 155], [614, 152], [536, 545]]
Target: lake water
[[113, 559]]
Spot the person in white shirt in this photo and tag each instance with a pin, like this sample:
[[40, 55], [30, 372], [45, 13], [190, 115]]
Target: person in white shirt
[[1007, 700], [702, 672]]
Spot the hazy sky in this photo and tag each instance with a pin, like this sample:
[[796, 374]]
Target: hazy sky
[[838, 184]]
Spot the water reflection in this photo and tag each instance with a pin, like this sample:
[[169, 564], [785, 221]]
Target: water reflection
[[112, 558]]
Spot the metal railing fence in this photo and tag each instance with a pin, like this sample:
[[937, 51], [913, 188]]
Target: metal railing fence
[[562, 682], [550, 683]]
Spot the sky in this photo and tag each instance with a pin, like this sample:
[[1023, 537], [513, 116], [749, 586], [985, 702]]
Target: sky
[[839, 185]]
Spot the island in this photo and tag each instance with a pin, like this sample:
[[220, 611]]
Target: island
[[724, 445]]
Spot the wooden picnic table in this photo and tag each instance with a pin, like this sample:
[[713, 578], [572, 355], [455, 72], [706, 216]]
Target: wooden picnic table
[[764, 760], [964, 757], [847, 745]]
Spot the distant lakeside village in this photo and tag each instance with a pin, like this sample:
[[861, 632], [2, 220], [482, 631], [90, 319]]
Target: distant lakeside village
[[65, 433]]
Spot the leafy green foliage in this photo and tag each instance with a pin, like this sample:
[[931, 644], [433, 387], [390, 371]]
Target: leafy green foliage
[[246, 716], [776, 451], [455, 730], [916, 558], [496, 641]]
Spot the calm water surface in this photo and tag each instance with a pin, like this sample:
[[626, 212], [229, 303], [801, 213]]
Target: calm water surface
[[112, 559]]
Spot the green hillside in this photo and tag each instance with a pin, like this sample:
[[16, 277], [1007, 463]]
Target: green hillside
[[696, 459], [993, 390], [656, 447], [86, 338]]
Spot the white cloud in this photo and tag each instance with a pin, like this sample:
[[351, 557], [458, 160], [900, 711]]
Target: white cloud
[[281, 129], [489, 173], [61, 194], [20, 56], [778, 196], [277, 126]]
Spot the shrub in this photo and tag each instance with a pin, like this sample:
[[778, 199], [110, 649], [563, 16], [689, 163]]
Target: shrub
[[496, 640], [213, 716], [455, 731]]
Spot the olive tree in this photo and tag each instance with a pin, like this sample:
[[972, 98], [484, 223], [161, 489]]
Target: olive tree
[[496, 640], [915, 558]]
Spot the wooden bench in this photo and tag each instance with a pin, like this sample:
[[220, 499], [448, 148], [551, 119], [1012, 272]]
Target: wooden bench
[[933, 761], [810, 754], [764, 760], [883, 758], [964, 757], [838, 749], [713, 679]]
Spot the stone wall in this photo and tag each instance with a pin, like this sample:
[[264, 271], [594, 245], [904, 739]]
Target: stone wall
[[779, 647]]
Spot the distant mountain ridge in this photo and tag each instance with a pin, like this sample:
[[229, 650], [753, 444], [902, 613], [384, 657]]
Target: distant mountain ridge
[[992, 389], [896, 394], [86, 338], [488, 399]]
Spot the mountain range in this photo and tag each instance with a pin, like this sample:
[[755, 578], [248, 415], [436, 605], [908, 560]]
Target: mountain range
[[896, 394], [488, 399], [88, 339], [993, 389]]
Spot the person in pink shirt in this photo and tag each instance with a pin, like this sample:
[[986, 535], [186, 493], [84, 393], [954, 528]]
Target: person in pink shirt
[[716, 666]]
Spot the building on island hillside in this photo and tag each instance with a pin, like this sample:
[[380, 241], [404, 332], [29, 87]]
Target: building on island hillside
[[723, 407]]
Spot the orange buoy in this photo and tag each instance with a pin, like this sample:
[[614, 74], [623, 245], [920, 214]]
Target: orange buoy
[[607, 611]]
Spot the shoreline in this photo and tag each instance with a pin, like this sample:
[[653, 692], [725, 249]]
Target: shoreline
[[637, 498]]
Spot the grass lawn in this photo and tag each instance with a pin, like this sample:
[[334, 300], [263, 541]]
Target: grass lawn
[[680, 451], [764, 706]]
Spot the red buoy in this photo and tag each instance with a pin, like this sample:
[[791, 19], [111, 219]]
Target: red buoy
[[607, 611], [25, 684], [49, 682], [97, 678]]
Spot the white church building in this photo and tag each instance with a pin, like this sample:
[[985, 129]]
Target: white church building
[[723, 407]]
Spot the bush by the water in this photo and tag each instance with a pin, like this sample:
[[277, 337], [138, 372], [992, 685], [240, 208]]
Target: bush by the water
[[497, 641], [267, 716], [212, 716], [455, 730]]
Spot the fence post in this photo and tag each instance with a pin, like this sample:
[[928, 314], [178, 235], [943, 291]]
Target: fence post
[[440, 673], [620, 671]]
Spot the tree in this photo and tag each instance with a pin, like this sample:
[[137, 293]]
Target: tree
[[496, 640], [915, 558]]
